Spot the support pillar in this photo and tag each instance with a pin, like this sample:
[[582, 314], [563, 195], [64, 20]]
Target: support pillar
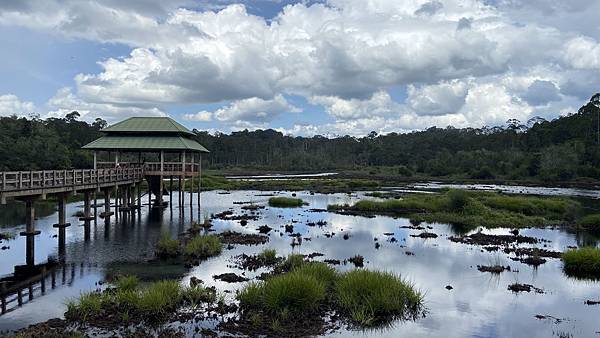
[[62, 224], [171, 191], [159, 198], [199, 179], [117, 204], [107, 213], [30, 232], [192, 183]]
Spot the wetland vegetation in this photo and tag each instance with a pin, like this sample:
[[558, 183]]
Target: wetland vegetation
[[473, 209]]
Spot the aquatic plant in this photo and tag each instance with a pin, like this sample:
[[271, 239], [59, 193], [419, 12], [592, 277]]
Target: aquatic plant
[[167, 247], [203, 247], [374, 297], [127, 283], [472, 209], [582, 261], [285, 202], [268, 256], [590, 223], [152, 303]]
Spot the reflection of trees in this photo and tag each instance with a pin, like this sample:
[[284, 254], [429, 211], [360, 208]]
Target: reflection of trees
[[14, 213]]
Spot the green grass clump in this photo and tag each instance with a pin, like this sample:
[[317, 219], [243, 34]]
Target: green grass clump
[[127, 283], [366, 298], [268, 256], [474, 209], [291, 262], [203, 247], [167, 247], [583, 261], [285, 202], [590, 223], [372, 297], [129, 302], [87, 306], [290, 293]]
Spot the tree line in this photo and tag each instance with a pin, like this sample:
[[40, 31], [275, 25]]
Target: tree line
[[565, 148]]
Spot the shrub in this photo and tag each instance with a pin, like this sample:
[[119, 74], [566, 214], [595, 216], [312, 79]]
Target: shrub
[[285, 202], [203, 247], [590, 222], [582, 261], [373, 297]]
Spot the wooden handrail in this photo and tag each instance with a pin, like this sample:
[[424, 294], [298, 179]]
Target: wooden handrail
[[26, 180]]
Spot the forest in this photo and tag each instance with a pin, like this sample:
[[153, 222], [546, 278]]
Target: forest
[[564, 149]]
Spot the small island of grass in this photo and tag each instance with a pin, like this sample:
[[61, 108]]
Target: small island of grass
[[297, 301], [285, 202], [473, 209], [582, 262]]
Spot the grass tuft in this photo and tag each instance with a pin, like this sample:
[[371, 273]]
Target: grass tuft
[[285, 202], [205, 246], [590, 223], [167, 247], [375, 297], [583, 261]]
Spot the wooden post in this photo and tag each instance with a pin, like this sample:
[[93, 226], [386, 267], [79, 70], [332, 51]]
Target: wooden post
[[192, 182], [116, 159], [171, 191], [95, 161], [199, 178], [160, 186], [29, 232], [182, 187]]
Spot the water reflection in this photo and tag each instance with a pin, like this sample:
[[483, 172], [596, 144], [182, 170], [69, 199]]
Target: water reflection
[[479, 305]]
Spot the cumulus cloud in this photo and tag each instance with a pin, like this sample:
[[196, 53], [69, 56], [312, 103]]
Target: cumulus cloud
[[463, 62], [541, 92], [438, 99], [11, 105], [65, 102], [250, 110]]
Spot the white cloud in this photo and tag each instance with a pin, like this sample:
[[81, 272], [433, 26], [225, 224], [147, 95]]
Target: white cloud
[[439, 99], [463, 62], [380, 104], [11, 105], [255, 109], [65, 102], [201, 116]]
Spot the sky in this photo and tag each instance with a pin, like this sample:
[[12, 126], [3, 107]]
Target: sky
[[327, 67]]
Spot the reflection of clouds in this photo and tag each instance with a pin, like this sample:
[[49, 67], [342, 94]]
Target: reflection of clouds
[[479, 304]]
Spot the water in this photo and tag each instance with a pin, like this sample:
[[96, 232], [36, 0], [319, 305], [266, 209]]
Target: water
[[510, 189], [479, 305]]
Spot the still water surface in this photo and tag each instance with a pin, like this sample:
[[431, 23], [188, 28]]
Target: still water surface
[[479, 305]]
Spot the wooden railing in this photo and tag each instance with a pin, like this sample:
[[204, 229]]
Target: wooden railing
[[171, 166], [26, 180]]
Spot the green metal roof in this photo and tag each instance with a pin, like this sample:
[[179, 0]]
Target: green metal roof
[[144, 143], [148, 125]]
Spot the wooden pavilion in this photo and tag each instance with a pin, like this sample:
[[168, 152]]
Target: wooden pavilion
[[159, 145]]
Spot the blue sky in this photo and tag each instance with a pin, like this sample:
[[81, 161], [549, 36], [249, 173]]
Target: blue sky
[[302, 67]]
